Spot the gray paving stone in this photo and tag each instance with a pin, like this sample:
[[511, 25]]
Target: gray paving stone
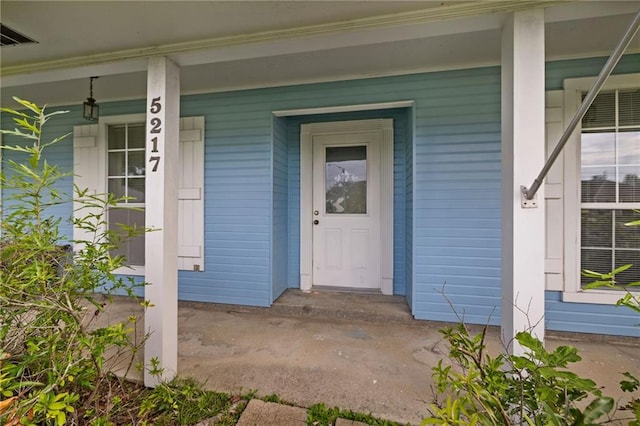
[[345, 422], [271, 414]]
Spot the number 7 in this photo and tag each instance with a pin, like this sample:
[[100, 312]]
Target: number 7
[[155, 159]]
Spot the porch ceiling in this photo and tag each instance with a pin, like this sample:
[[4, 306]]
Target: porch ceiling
[[236, 44]]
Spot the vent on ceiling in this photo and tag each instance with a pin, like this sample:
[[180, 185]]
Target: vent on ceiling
[[10, 37]]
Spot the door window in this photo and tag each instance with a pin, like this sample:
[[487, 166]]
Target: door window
[[346, 180]]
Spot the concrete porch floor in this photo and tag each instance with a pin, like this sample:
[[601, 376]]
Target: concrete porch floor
[[362, 352]]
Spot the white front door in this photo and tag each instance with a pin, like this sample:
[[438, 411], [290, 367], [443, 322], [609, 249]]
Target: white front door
[[346, 210], [346, 205]]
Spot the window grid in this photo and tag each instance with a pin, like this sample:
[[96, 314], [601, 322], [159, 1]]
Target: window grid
[[126, 176], [127, 211], [618, 205]]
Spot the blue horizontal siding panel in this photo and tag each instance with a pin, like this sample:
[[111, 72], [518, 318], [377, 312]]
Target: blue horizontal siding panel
[[556, 72], [457, 152], [589, 318]]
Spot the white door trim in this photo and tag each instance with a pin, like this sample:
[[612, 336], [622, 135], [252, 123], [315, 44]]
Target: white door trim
[[385, 127]]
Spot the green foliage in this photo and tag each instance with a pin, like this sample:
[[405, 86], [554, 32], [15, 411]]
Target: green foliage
[[182, 402], [320, 415], [608, 280], [56, 360], [629, 300], [535, 388]]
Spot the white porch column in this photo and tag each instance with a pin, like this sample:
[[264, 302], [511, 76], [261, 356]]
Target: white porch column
[[523, 144], [161, 213]]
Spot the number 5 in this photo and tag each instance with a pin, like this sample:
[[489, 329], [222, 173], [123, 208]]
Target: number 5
[[156, 106]]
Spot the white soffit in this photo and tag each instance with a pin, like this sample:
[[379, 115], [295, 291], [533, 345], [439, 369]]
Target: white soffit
[[348, 32]]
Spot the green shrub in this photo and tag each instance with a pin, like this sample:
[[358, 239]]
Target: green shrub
[[533, 389], [55, 358]]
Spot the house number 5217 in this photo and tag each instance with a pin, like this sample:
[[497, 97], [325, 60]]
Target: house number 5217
[[155, 129]]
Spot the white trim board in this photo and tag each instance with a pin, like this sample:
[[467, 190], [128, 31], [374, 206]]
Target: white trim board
[[343, 108]]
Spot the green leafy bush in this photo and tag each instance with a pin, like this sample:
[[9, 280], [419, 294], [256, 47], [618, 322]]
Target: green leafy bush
[[533, 389], [54, 359]]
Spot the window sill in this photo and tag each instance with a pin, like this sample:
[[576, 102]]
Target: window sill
[[600, 297], [130, 270]]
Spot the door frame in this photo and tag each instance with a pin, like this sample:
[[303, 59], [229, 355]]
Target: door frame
[[307, 131]]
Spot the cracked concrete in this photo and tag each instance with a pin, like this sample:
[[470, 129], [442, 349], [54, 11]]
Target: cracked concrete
[[379, 364]]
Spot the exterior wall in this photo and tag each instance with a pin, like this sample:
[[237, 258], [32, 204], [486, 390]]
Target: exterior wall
[[457, 197], [447, 183]]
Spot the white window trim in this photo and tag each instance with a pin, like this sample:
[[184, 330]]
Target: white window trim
[[573, 90], [103, 132]]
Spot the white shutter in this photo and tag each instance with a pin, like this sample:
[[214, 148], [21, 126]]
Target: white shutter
[[89, 163], [191, 195], [553, 190]]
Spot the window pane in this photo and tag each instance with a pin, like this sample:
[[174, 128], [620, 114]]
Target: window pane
[[132, 249], [596, 228], [629, 147], [116, 163], [598, 185], [627, 236], [602, 111], [595, 260], [136, 163], [136, 136], [629, 106], [626, 257], [136, 190], [598, 149], [117, 187], [116, 137], [629, 185], [346, 180]]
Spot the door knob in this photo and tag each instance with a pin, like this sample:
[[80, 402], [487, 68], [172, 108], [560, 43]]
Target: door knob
[[315, 222]]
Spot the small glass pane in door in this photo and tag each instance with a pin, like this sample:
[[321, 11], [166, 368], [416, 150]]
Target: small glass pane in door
[[346, 180]]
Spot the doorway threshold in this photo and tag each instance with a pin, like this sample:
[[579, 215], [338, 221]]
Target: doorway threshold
[[332, 289], [370, 307]]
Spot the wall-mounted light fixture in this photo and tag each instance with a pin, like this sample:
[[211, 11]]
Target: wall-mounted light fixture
[[90, 110]]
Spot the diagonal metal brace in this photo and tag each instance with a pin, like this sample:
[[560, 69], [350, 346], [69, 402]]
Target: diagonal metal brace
[[529, 193]]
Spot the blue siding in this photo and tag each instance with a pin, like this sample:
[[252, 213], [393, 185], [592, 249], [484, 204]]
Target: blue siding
[[279, 253], [456, 240], [589, 318], [402, 134], [446, 178], [556, 72]]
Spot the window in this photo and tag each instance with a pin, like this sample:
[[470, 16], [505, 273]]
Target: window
[[109, 157], [610, 184], [596, 188], [126, 181]]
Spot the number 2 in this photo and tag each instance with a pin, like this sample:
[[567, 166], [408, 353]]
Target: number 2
[[155, 125]]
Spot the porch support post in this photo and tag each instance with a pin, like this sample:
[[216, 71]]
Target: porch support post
[[161, 214], [523, 147]]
